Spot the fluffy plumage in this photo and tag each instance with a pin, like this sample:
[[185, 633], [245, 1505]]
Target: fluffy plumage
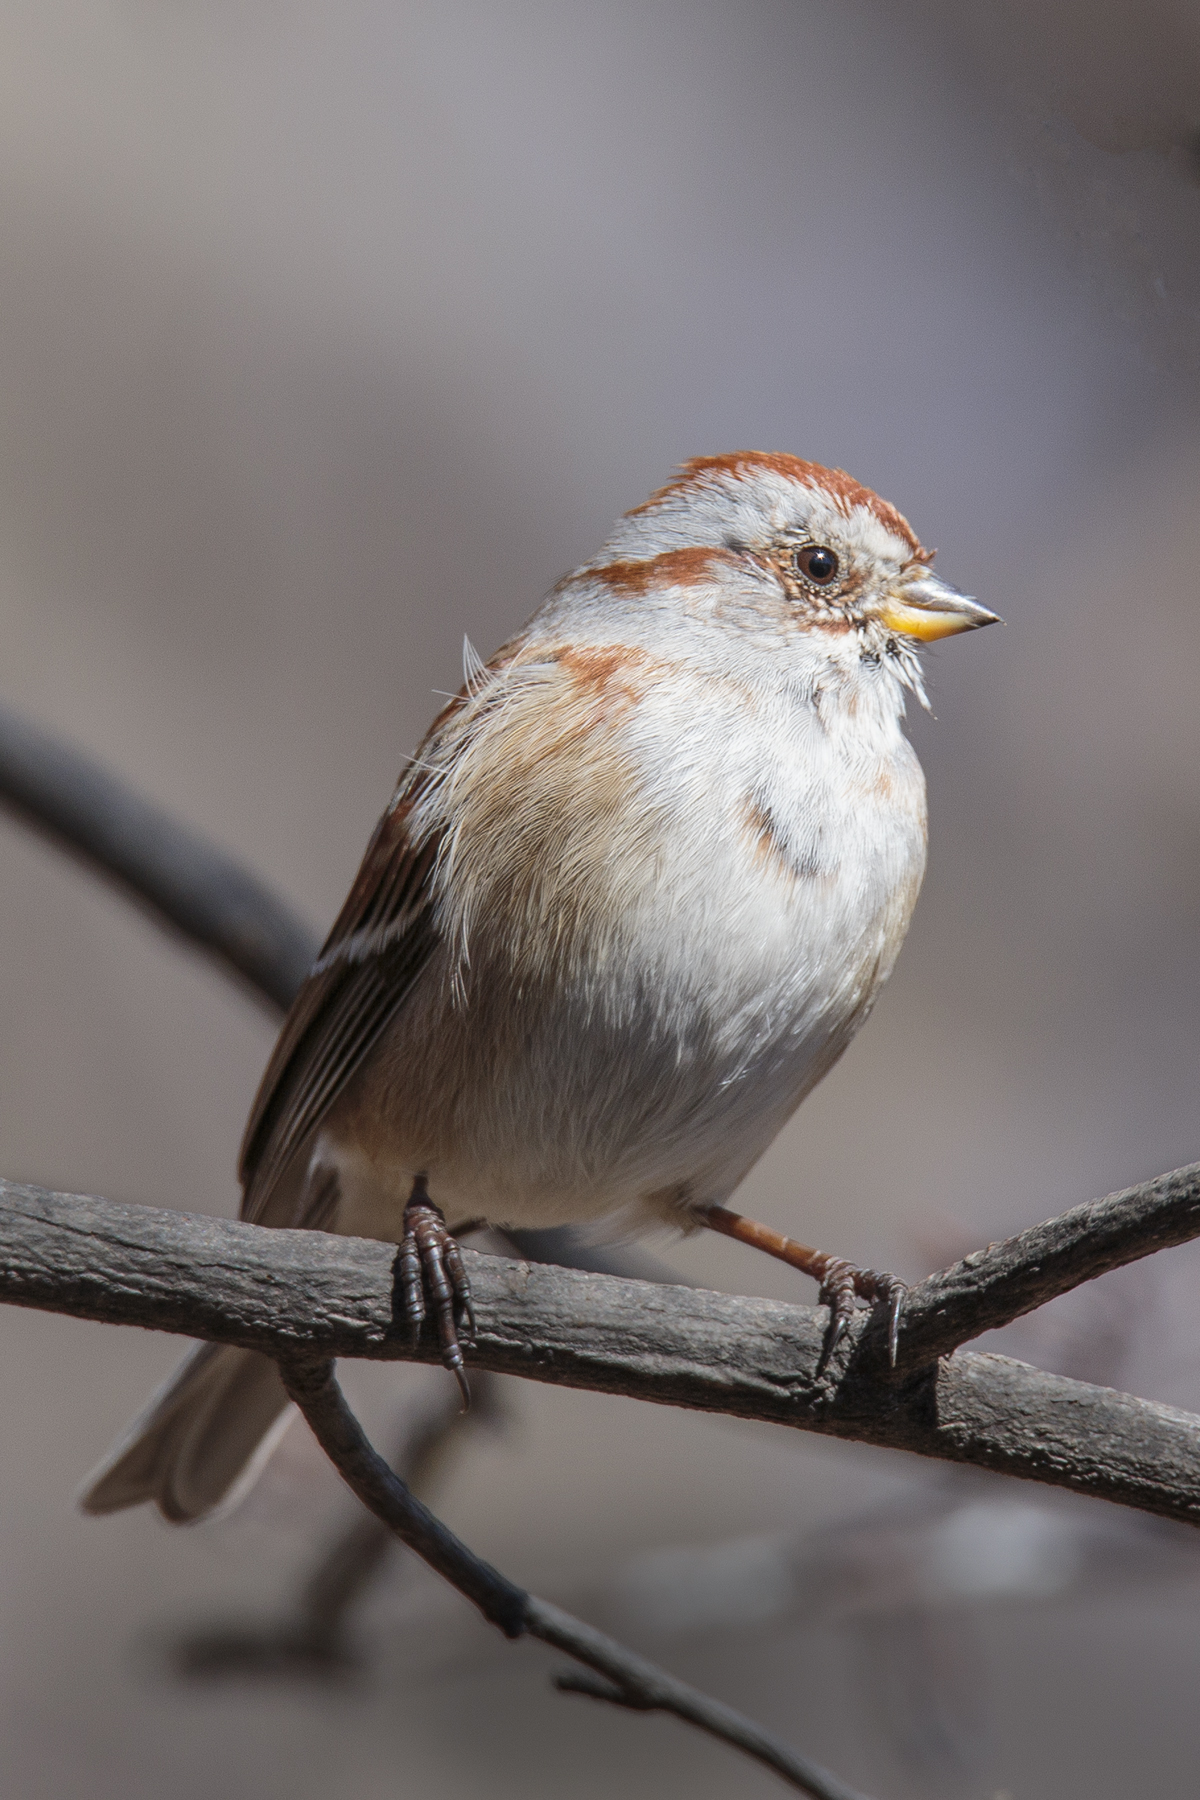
[[635, 893]]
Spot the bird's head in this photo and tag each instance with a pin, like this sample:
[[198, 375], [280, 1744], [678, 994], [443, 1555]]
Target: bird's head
[[829, 553]]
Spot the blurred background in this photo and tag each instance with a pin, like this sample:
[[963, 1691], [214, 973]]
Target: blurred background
[[328, 333]]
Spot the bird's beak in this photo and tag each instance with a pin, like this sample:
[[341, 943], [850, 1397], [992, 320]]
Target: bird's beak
[[921, 605]]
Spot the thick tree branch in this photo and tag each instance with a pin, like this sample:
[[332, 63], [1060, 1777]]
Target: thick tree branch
[[306, 1293], [629, 1680]]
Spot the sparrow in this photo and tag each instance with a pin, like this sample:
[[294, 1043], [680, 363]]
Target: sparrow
[[636, 891]]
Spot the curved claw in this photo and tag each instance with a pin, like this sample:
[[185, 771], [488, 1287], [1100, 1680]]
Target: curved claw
[[895, 1300], [890, 1290], [835, 1331]]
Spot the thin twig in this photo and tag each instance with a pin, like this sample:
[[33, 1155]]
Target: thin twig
[[994, 1286], [632, 1681], [307, 1292], [311, 1636], [346, 1569], [173, 872]]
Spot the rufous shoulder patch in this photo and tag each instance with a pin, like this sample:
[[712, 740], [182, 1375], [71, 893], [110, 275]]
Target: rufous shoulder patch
[[596, 666]]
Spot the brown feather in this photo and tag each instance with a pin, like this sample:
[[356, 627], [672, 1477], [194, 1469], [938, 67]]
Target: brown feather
[[380, 942]]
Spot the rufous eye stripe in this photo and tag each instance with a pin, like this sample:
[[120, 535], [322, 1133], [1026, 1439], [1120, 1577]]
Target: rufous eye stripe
[[673, 568]]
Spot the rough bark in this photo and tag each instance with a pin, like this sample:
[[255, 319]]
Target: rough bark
[[306, 1293]]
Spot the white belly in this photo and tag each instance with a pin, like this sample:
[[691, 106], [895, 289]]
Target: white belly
[[733, 945]]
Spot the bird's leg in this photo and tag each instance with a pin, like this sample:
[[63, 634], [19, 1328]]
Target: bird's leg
[[840, 1280], [429, 1256]]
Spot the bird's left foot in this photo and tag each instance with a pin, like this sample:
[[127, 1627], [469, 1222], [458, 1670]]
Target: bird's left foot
[[430, 1259], [842, 1282]]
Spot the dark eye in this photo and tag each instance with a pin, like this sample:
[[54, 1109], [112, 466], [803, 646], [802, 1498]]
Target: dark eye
[[817, 563]]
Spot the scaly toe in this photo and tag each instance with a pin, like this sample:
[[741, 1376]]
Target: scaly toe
[[412, 1287], [837, 1293], [459, 1280], [430, 1260]]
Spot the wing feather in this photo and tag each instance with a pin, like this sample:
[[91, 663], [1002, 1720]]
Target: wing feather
[[382, 939]]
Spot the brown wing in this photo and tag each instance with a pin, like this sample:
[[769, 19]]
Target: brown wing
[[381, 941]]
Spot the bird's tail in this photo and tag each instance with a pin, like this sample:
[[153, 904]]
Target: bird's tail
[[201, 1440]]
